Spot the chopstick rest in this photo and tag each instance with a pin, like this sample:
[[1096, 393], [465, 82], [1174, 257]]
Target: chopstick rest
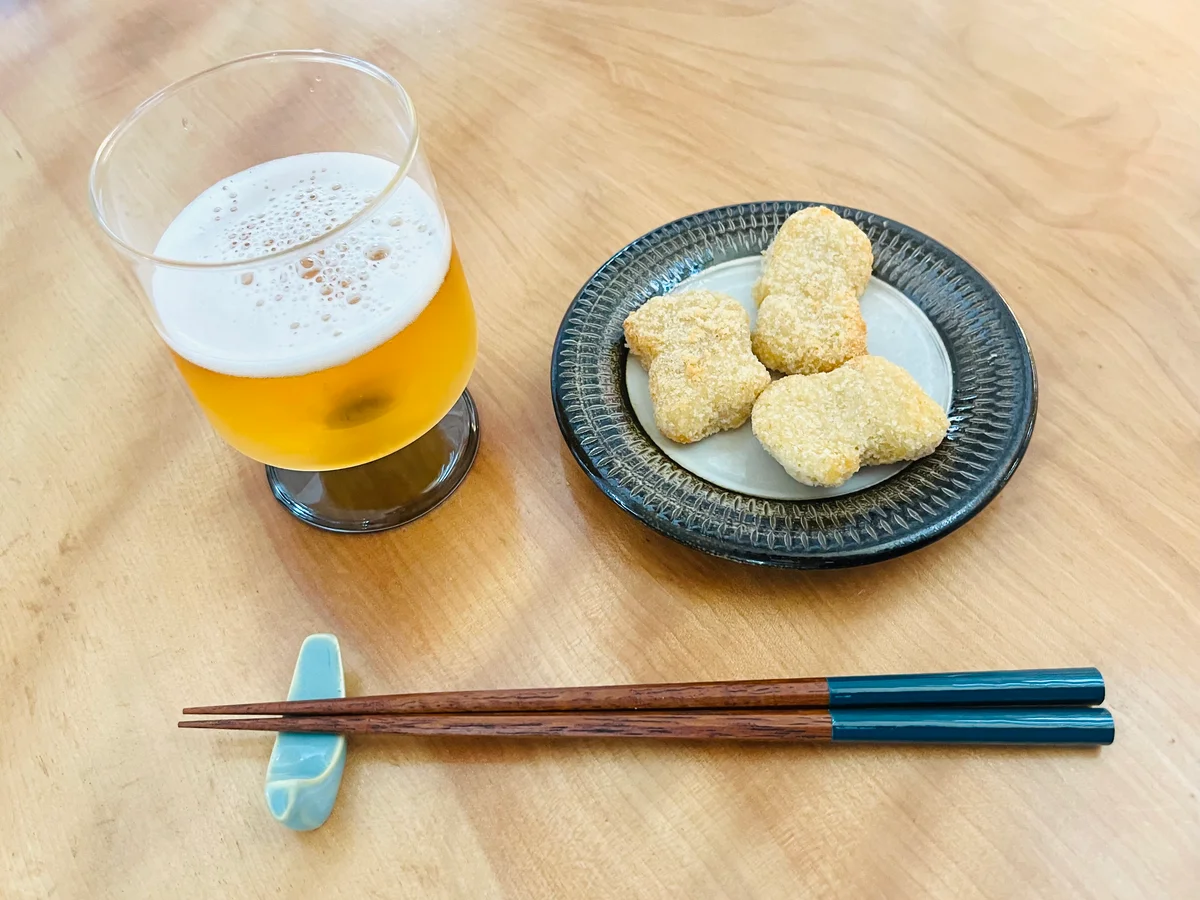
[[305, 770]]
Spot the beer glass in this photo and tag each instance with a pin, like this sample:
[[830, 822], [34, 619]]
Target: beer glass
[[291, 248]]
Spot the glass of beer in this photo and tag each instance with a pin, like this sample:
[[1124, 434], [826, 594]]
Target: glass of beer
[[287, 237]]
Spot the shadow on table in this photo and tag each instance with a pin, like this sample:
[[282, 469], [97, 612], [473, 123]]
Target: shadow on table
[[472, 751], [398, 585], [616, 532]]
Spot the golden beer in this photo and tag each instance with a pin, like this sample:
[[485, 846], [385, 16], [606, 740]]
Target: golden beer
[[329, 359], [356, 412]]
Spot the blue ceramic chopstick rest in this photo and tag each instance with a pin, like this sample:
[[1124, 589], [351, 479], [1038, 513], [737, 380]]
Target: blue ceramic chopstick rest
[[305, 770]]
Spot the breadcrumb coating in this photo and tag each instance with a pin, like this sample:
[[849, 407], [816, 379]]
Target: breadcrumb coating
[[823, 428], [704, 377], [814, 273], [690, 317], [798, 334]]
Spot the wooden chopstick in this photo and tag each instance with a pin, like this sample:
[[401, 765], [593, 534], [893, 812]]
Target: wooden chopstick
[[1026, 687], [945, 725]]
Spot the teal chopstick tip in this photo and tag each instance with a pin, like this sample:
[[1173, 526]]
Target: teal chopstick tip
[[1021, 687], [1056, 726]]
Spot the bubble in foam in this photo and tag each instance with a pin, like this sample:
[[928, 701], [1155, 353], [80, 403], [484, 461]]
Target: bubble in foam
[[211, 324]]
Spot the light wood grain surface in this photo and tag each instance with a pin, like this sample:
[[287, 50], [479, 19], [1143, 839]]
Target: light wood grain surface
[[145, 566]]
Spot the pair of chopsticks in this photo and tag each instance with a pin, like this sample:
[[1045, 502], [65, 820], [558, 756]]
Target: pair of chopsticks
[[1031, 706]]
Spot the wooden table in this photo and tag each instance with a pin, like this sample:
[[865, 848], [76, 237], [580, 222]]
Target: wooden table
[[145, 565]]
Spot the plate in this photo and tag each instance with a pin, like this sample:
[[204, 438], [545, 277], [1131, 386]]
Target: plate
[[926, 309]]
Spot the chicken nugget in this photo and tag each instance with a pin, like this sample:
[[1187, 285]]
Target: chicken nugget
[[703, 376], [823, 428], [798, 334], [817, 252], [689, 317], [699, 390], [814, 273]]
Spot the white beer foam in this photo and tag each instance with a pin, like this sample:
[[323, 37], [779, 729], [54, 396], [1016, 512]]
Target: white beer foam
[[343, 298]]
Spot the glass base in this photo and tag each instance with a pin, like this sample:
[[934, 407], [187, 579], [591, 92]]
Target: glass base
[[391, 491]]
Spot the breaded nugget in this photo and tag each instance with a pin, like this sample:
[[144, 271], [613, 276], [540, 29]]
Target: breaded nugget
[[689, 317], [703, 376], [799, 334], [817, 252], [814, 272], [822, 428]]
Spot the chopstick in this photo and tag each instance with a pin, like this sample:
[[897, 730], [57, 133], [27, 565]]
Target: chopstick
[[1022, 687], [1088, 726]]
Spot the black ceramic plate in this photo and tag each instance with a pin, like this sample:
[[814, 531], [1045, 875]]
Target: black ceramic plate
[[993, 405]]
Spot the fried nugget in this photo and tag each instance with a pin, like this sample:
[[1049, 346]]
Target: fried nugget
[[689, 317], [814, 273], [798, 334], [703, 376], [822, 428]]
